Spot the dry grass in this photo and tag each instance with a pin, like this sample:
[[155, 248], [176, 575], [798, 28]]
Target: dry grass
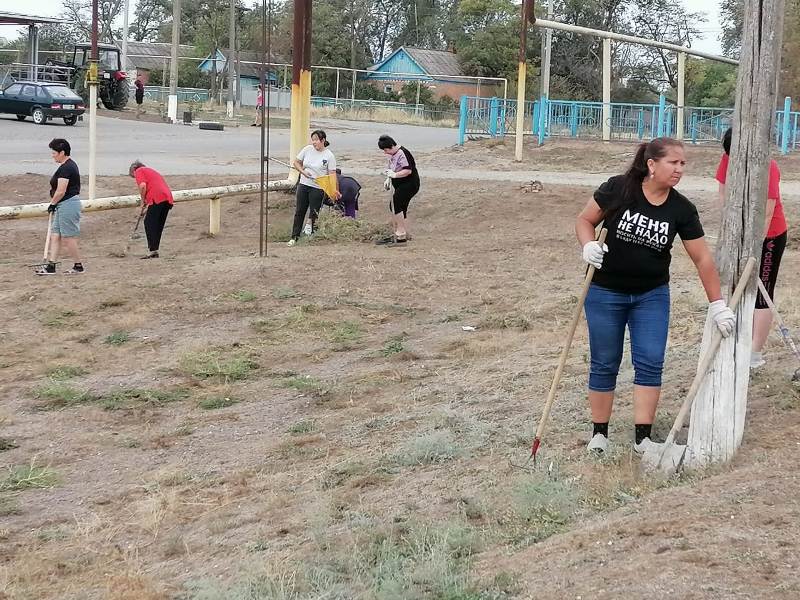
[[380, 115]]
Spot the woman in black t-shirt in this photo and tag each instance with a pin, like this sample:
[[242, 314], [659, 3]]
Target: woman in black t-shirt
[[643, 213], [65, 208]]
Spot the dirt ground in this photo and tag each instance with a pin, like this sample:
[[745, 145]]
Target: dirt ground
[[317, 424]]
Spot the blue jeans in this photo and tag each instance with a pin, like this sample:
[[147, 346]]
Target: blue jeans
[[647, 318]]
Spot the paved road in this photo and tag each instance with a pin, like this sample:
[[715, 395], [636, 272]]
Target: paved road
[[184, 150]]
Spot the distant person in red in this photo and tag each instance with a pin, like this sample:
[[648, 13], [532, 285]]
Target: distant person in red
[[259, 106], [156, 204], [775, 230]]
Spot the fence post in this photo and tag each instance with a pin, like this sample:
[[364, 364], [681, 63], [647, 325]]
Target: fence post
[[494, 105], [641, 124], [544, 116], [535, 124], [694, 128], [794, 132], [787, 112], [573, 119], [668, 128], [462, 120], [662, 107], [502, 117], [214, 208]]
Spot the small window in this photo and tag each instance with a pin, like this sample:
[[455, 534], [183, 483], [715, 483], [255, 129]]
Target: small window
[[41, 93], [388, 89], [29, 91], [13, 89]]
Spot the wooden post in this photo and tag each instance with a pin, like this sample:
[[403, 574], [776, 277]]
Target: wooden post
[[214, 210], [718, 414]]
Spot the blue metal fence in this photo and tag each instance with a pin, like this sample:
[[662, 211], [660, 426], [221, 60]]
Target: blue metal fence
[[495, 117]]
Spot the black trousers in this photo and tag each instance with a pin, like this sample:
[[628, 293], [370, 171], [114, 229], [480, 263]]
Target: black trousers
[[154, 222], [308, 198]]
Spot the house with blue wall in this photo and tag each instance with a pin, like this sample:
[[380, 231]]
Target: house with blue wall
[[438, 70]]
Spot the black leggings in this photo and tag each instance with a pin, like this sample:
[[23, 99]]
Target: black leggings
[[154, 222], [403, 193], [307, 198], [771, 253]]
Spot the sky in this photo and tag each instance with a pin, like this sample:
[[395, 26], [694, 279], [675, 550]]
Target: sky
[[51, 8]]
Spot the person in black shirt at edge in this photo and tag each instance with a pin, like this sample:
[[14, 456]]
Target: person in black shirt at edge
[[65, 206], [643, 213], [402, 175]]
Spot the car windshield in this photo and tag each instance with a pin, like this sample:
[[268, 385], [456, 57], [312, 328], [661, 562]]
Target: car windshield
[[60, 91]]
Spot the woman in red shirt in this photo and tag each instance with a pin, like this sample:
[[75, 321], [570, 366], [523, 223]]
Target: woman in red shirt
[[771, 252], [156, 204]]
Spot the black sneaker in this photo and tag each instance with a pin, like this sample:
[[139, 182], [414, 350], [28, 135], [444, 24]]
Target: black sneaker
[[151, 255], [48, 269], [389, 239], [76, 269]]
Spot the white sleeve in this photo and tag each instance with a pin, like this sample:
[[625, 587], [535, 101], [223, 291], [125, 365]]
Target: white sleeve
[[302, 154], [331, 163]]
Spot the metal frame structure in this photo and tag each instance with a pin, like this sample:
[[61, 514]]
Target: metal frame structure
[[608, 37], [32, 22]]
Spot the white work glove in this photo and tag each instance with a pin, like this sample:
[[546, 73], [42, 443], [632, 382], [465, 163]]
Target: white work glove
[[593, 253], [723, 317], [387, 184], [390, 174]]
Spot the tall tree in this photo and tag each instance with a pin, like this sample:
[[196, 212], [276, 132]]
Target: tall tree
[[79, 16], [149, 17]]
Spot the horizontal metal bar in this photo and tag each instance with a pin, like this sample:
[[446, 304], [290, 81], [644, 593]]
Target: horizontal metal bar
[[632, 40]]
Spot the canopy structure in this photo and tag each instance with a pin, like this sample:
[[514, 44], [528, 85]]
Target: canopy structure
[[31, 22]]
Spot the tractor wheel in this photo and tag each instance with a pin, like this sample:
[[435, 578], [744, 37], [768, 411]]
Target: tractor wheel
[[121, 94]]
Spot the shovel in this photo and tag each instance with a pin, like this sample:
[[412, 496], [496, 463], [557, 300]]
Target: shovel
[[126, 247], [576, 315], [782, 329], [46, 244], [668, 457]]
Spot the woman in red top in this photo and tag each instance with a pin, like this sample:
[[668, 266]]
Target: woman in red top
[[771, 252], [156, 204]]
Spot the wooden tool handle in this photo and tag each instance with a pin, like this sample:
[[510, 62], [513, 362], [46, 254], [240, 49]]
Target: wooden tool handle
[[711, 352], [576, 315]]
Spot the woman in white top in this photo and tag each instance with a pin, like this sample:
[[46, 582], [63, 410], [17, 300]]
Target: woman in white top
[[315, 160]]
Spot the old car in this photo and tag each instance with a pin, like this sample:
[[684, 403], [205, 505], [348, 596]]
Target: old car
[[42, 101]]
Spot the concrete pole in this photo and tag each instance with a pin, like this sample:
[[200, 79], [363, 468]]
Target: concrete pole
[[337, 85], [681, 94], [606, 89], [231, 61], [527, 7], [172, 103], [125, 35], [547, 46], [91, 80]]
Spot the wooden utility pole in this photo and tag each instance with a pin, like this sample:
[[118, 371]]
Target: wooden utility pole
[[718, 414], [527, 15], [172, 101]]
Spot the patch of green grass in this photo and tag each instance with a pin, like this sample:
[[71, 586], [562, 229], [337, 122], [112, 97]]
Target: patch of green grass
[[284, 293], [429, 448], [244, 296], [59, 319], [7, 444], [215, 364], [128, 398], [27, 477], [302, 427], [117, 338], [64, 372], [394, 345], [346, 335], [540, 507], [305, 384], [58, 394], [215, 402], [332, 227]]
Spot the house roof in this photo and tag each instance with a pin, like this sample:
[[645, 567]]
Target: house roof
[[435, 62], [431, 62], [150, 56]]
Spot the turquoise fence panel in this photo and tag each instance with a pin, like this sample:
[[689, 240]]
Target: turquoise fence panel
[[629, 121]]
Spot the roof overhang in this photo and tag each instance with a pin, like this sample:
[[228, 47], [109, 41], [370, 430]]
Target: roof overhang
[[10, 18]]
